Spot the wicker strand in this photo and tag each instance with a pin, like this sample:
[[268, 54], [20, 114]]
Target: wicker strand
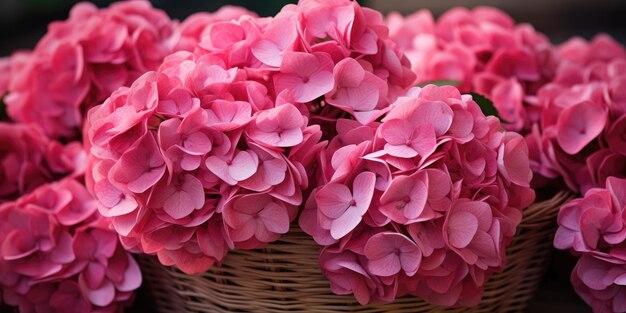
[[285, 277]]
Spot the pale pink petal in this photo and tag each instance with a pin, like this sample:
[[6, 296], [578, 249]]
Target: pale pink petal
[[333, 199], [579, 124], [462, 227]]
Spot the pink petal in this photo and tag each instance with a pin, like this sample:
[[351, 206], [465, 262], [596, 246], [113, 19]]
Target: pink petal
[[515, 162], [274, 171], [462, 227], [435, 113], [363, 190], [401, 151], [132, 276], [579, 124], [94, 275], [18, 244], [243, 166], [268, 52], [424, 140], [116, 203], [386, 266], [345, 223], [396, 131], [275, 218], [188, 197], [220, 168], [333, 199], [228, 115], [101, 296], [349, 73]]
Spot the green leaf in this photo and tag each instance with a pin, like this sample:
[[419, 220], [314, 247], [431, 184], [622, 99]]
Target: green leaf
[[440, 83], [486, 105]]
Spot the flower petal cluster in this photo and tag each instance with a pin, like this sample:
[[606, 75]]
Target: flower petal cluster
[[485, 51], [81, 60], [594, 226], [334, 56], [580, 136], [29, 159], [423, 203], [213, 151], [58, 255], [194, 159]]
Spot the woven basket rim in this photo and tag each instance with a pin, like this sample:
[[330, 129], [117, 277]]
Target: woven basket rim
[[285, 276]]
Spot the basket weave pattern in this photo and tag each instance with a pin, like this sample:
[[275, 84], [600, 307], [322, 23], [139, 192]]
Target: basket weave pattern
[[285, 277]]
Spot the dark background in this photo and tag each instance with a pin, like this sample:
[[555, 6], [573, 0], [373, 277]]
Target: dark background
[[23, 22]]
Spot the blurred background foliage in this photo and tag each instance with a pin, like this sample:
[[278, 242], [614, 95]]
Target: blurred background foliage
[[23, 22]]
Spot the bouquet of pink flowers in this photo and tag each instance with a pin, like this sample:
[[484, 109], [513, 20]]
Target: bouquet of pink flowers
[[481, 50], [594, 227], [580, 136], [127, 131], [58, 253], [232, 130], [423, 202]]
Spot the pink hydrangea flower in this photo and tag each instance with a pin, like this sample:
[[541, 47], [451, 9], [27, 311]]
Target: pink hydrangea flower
[[81, 60], [594, 224], [334, 57], [58, 254], [29, 159], [485, 51], [423, 202], [580, 135], [223, 168], [234, 122], [594, 227], [601, 284]]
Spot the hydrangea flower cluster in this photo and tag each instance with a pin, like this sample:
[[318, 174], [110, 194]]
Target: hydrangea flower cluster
[[80, 61], [29, 159], [594, 227], [225, 128], [485, 51], [195, 159], [423, 203], [334, 56], [581, 135], [58, 255]]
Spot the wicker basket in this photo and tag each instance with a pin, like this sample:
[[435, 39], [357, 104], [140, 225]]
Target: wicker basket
[[285, 277]]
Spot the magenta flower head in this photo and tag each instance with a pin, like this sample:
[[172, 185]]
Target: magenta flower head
[[485, 51], [580, 136], [424, 202], [81, 60], [213, 151], [194, 159], [332, 57], [594, 227], [29, 159], [58, 255]]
